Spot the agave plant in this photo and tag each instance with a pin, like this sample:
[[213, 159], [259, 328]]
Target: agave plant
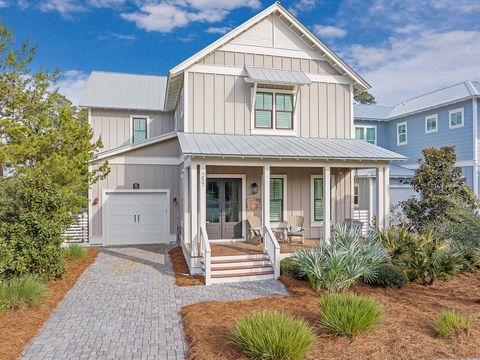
[[337, 265]]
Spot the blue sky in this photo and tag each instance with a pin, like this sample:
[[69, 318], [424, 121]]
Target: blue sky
[[402, 47]]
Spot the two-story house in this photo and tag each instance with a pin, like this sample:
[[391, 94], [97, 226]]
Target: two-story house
[[259, 123], [448, 116]]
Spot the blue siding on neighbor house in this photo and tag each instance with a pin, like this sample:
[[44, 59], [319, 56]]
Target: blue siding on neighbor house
[[418, 139]]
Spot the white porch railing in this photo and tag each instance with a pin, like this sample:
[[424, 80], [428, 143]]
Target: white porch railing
[[272, 249], [206, 253], [78, 231]]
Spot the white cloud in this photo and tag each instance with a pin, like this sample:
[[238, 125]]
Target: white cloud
[[409, 66], [106, 3], [330, 32], [117, 36], [64, 7], [71, 85], [302, 6], [166, 16], [3, 4], [218, 30]]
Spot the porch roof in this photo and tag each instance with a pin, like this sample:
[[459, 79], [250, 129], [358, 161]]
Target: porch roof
[[273, 146]]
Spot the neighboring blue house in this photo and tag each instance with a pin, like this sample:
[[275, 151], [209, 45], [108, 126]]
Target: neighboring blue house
[[448, 116]]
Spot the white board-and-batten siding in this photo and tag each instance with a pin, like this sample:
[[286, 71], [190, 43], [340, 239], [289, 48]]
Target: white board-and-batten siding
[[114, 127]]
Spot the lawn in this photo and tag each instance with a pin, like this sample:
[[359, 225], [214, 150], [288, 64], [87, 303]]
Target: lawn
[[19, 327], [405, 332]]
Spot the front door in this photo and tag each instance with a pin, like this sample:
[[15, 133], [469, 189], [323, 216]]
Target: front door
[[224, 208]]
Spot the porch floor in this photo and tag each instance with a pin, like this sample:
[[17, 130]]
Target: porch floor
[[243, 248]]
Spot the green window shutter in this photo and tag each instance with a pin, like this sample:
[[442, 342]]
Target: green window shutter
[[276, 200], [359, 133], [371, 135], [318, 199]]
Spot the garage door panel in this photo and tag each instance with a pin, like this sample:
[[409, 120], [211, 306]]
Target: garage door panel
[[137, 218]]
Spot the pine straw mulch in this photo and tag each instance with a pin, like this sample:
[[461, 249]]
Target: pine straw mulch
[[405, 332], [180, 267], [19, 327]]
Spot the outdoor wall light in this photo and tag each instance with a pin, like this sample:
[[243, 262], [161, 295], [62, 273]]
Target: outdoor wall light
[[95, 201], [254, 188]]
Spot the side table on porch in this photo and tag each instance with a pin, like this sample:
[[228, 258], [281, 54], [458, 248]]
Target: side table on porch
[[280, 232]]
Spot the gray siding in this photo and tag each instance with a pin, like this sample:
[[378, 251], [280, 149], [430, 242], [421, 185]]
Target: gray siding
[[299, 191], [221, 104], [114, 126]]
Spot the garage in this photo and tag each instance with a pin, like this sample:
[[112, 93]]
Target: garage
[[137, 217]]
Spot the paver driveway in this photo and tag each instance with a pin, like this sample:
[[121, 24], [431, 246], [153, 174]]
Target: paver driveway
[[126, 306]]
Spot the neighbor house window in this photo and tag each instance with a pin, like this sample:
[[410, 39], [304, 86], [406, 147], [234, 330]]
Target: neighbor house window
[[456, 118], [317, 199], [367, 133], [139, 125], [263, 110], [402, 133], [284, 111], [277, 199], [431, 123]]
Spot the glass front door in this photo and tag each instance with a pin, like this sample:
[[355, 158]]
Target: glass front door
[[224, 208]]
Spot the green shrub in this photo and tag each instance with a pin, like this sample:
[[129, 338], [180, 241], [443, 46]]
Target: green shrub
[[289, 268], [338, 264], [75, 252], [348, 314], [450, 323], [390, 276], [273, 336], [18, 293]]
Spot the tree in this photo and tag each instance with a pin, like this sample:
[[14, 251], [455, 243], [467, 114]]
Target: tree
[[440, 186], [365, 97], [46, 144]]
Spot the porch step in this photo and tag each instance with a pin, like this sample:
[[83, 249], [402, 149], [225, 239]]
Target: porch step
[[254, 256], [235, 270], [240, 277], [231, 263]]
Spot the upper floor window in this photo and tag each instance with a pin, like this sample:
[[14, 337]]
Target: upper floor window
[[265, 108], [402, 133], [431, 123], [139, 126], [367, 133], [456, 118]]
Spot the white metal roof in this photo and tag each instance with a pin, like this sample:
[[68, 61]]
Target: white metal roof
[[282, 147], [396, 171], [276, 76], [447, 95], [124, 91]]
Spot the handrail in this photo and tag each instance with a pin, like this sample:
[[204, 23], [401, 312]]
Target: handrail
[[206, 253], [272, 248]]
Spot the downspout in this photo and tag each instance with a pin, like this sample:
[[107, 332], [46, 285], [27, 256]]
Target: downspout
[[475, 144]]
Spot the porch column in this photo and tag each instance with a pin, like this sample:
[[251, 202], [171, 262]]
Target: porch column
[[327, 193], [193, 209], [266, 196], [380, 197], [386, 195], [203, 195]]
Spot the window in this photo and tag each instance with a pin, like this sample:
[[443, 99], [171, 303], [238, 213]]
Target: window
[[456, 118], [402, 133], [139, 129], [431, 123], [355, 194], [263, 110], [367, 133], [284, 111], [277, 197], [317, 199]]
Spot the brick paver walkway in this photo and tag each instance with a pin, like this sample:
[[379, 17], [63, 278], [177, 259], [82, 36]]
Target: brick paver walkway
[[126, 306]]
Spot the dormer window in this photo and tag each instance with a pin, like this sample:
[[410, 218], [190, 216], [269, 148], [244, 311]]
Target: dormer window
[[284, 111], [139, 129], [276, 114], [263, 110]]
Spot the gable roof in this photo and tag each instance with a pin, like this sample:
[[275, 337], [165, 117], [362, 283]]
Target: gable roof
[[124, 91], [175, 78], [448, 95]]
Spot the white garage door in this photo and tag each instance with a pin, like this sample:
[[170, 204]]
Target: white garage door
[[137, 218]]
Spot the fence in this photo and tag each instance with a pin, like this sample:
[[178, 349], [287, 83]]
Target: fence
[[78, 231]]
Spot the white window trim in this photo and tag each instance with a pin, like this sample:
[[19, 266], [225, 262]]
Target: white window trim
[[454, 111], [149, 120], [314, 223], [274, 130], [284, 205], [429, 117], [365, 127], [406, 134]]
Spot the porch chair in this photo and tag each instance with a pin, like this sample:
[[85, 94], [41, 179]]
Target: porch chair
[[255, 231], [295, 228]]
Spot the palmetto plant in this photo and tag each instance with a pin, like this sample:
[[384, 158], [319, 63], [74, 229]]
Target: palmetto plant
[[337, 265]]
